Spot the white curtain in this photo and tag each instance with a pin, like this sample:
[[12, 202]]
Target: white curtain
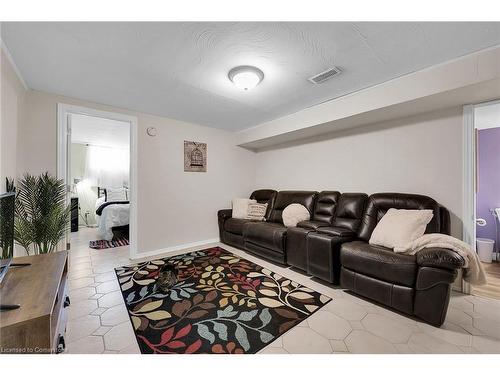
[[107, 167]]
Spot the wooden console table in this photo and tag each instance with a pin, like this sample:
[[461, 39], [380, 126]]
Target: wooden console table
[[38, 326]]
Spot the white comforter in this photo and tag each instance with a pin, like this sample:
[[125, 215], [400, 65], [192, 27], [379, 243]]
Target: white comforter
[[112, 216]]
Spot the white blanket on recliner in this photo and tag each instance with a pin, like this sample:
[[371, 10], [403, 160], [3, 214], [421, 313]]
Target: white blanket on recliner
[[473, 269]]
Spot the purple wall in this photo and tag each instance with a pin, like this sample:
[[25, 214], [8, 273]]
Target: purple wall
[[488, 193]]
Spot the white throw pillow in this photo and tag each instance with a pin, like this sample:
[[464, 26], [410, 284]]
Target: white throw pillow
[[397, 228], [240, 207], [257, 211], [295, 213], [116, 195]]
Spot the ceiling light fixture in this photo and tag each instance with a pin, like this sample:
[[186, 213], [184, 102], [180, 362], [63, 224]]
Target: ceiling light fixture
[[246, 77]]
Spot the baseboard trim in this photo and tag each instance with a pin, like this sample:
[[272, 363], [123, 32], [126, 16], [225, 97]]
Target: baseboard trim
[[171, 249]]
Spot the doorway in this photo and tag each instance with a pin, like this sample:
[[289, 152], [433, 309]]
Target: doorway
[[482, 124], [97, 161]]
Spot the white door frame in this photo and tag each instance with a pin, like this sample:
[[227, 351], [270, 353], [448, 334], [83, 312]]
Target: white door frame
[[469, 182], [63, 113], [469, 177]]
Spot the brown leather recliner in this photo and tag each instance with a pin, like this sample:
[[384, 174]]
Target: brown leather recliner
[[231, 229], [323, 216], [268, 239], [418, 284], [323, 245]]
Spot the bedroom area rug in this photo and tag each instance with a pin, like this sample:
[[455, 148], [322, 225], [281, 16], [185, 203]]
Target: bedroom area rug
[[221, 303], [103, 244]]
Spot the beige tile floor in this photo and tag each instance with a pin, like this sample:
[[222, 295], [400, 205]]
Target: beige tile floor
[[98, 320]]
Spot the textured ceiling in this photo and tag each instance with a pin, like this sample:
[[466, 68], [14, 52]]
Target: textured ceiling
[[99, 131], [179, 70]]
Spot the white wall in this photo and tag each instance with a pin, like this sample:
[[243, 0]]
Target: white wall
[[174, 207], [12, 97], [421, 154]]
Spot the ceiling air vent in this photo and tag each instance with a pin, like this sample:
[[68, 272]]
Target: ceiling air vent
[[324, 76]]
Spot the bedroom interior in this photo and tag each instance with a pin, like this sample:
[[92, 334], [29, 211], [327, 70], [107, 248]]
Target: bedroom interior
[[252, 188], [100, 179]]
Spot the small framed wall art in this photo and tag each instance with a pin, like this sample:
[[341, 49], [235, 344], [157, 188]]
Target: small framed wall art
[[195, 156]]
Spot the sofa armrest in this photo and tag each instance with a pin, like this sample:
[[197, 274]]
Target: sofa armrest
[[311, 224], [223, 215], [440, 257]]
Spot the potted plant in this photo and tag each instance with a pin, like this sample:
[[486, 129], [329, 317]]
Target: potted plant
[[42, 214]]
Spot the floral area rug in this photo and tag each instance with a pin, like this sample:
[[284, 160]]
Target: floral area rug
[[221, 304]]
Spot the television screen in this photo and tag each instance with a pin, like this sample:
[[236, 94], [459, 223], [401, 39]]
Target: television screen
[[6, 231]]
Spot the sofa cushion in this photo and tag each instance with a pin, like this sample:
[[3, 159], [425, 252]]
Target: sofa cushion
[[268, 235], [350, 209], [235, 226], [379, 262], [311, 224], [325, 206], [336, 231]]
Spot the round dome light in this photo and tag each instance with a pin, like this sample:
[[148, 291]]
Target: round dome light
[[246, 77]]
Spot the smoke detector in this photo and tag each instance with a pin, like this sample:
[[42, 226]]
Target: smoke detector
[[324, 76]]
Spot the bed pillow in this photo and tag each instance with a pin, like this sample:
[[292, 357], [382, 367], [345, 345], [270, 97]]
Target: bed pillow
[[397, 228], [240, 207], [115, 195], [256, 211], [294, 213]]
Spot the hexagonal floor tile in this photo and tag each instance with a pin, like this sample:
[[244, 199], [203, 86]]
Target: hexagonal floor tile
[[86, 345], [108, 286], [79, 328], [272, 350], [486, 344], [119, 337], [363, 342], [108, 276], [448, 332], [131, 349], [81, 293], [346, 309], [111, 299], [101, 331], [458, 317], [424, 343], [114, 316], [81, 308], [489, 326], [387, 328], [329, 325], [339, 346], [80, 283], [302, 340]]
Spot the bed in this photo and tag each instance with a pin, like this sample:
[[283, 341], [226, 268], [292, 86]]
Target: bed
[[112, 213]]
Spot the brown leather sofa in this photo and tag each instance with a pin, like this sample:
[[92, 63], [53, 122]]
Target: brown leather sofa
[[418, 284], [268, 238], [231, 229], [333, 246], [323, 245], [296, 237]]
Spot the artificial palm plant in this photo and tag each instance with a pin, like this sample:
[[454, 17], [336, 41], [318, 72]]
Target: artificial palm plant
[[42, 214]]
